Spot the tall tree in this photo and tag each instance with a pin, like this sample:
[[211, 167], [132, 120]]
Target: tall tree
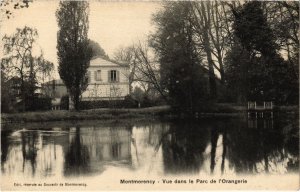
[[22, 70], [147, 69], [283, 18], [44, 67], [213, 33], [269, 75], [18, 59], [73, 51], [203, 20], [181, 71], [7, 96], [126, 55], [236, 67]]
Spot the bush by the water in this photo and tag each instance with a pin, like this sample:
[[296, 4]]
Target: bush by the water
[[64, 102], [37, 104], [128, 102]]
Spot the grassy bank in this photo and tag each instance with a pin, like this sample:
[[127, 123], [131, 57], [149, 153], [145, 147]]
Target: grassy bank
[[46, 125], [218, 110], [109, 114], [95, 114]]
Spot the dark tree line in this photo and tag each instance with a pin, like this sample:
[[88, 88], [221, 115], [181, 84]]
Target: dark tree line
[[265, 73], [205, 52], [181, 73], [227, 51]]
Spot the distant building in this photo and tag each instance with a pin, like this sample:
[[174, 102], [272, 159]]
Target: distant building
[[54, 89], [106, 80]]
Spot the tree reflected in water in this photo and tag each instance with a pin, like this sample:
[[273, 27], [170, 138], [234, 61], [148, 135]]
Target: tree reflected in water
[[183, 148], [229, 146], [77, 157], [257, 150], [218, 131], [4, 146], [203, 147], [29, 149]]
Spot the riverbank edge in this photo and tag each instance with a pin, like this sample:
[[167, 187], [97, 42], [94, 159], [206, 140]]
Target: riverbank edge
[[118, 114]]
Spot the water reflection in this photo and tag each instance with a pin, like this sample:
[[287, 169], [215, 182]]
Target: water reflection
[[29, 149], [4, 146], [77, 158], [92, 148], [199, 148], [183, 148], [259, 149], [31, 153]]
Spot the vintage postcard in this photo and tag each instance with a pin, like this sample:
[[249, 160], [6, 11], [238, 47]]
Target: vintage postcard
[[149, 95]]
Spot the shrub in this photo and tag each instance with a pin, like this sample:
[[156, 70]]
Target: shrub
[[128, 102], [37, 104], [64, 102]]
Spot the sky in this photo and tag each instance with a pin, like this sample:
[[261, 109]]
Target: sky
[[111, 24]]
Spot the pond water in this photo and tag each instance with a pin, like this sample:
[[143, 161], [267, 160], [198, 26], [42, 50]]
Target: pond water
[[205, 147]]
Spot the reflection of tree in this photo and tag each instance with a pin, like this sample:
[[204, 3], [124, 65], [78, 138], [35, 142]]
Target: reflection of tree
[[29, 148], [254, 150], [77, 158], [218, 130], [183, 148], [116, 150], [4, 146], [292, 147], [224, 143], [214, 138]]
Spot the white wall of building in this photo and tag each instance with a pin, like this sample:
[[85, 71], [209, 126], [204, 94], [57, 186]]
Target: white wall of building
[[104, 89]]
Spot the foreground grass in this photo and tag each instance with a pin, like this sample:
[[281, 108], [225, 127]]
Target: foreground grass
[[218, 110], [111, 114], [94, 114]]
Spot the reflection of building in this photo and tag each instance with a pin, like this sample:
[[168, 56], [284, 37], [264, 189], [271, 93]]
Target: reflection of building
[[106, 144], [260, 123]]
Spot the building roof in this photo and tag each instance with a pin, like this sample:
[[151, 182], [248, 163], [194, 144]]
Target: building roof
[[100, 62]]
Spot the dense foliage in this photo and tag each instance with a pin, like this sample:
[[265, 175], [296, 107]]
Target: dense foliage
[[181, 72], [72, 47], [255, 68], [97, 50], [240, 50], [21, 71]]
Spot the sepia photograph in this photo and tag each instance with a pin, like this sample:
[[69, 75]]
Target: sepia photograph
[[149, 95]]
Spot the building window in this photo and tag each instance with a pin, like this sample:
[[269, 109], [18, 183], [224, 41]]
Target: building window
[[113, 76], [89, 76], [98, 75]]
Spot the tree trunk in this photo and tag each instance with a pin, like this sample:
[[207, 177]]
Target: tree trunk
[[207, 49], [212, 77]]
